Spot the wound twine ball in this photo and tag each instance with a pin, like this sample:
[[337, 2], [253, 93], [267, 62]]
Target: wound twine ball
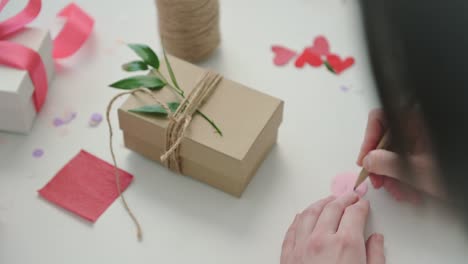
[[189, 29]]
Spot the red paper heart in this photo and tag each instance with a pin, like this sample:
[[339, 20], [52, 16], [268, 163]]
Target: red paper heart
[[308, 57], [282, 55], [320, 47], [338, 64]]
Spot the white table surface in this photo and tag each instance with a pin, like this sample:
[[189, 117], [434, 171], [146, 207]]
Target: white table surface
[[185, 221]]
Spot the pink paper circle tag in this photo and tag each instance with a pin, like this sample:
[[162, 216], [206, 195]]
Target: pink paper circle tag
[[344, 183]]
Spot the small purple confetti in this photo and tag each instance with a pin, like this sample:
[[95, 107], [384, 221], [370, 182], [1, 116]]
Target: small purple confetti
[[58, 122], [37, 153], [95, 120], [344, 88], [70, 117], [63, 121]]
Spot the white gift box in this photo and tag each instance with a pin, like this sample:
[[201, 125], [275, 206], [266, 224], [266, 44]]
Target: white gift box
[[17, 111]]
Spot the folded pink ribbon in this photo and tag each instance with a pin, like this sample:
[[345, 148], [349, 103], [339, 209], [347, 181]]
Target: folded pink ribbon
[[76, 31]]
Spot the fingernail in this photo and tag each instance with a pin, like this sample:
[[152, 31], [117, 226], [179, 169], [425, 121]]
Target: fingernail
[[379, 182], [367, 162], [297, 216], [379, 238], [295, 219], [353, 195], [366, 202], [373, 181]]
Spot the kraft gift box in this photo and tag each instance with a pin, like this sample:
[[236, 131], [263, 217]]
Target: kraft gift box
[[248, 119], [17, 111]]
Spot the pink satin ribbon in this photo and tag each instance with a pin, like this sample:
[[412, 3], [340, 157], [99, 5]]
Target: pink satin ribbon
[[76, 31], [17, 22], [3, 3], [23, 58]]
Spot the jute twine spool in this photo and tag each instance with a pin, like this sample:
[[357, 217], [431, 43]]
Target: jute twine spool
[[189, 29]]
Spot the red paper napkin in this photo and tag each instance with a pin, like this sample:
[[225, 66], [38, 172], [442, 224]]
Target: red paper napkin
[[85, 186]]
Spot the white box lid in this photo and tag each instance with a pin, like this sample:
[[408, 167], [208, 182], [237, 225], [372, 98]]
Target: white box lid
[[15, 85]]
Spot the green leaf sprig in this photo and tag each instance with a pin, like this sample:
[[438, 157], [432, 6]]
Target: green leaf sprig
[[329, 67], [156, 81]]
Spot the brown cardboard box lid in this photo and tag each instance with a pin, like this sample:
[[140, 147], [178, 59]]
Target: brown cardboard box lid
[[240, 112]]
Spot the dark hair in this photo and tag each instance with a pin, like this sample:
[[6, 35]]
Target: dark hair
[[419, 51]]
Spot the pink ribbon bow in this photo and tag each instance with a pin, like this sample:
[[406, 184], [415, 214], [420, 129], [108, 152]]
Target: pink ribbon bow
[[72, 36]]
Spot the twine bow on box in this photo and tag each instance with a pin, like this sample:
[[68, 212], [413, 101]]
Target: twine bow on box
[[75, 32], [179, 121]]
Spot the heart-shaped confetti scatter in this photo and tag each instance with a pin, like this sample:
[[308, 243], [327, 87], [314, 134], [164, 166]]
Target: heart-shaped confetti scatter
[[339, 65], [308, 57], [320, 47], [315, 55], [282, 55]]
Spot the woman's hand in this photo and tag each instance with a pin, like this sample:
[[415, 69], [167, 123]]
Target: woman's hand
[[384, 166], [331, 231]]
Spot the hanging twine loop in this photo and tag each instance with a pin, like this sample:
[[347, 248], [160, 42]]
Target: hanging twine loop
[[189, 29], [177, 127]]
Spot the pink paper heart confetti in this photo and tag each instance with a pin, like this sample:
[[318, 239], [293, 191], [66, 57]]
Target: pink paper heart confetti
[[308, 57], [320, 47], [282, 55], [338, 64]]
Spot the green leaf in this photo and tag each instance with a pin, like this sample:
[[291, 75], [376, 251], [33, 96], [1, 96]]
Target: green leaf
[[171, 72], [156, 109], [146, 54], [134, 66], [150, 109], [173, 106], [329, 67], [212, 123], [149, 81]]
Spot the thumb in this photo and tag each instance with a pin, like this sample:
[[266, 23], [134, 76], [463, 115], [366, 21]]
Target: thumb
[[382, 162], [375, 249]]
